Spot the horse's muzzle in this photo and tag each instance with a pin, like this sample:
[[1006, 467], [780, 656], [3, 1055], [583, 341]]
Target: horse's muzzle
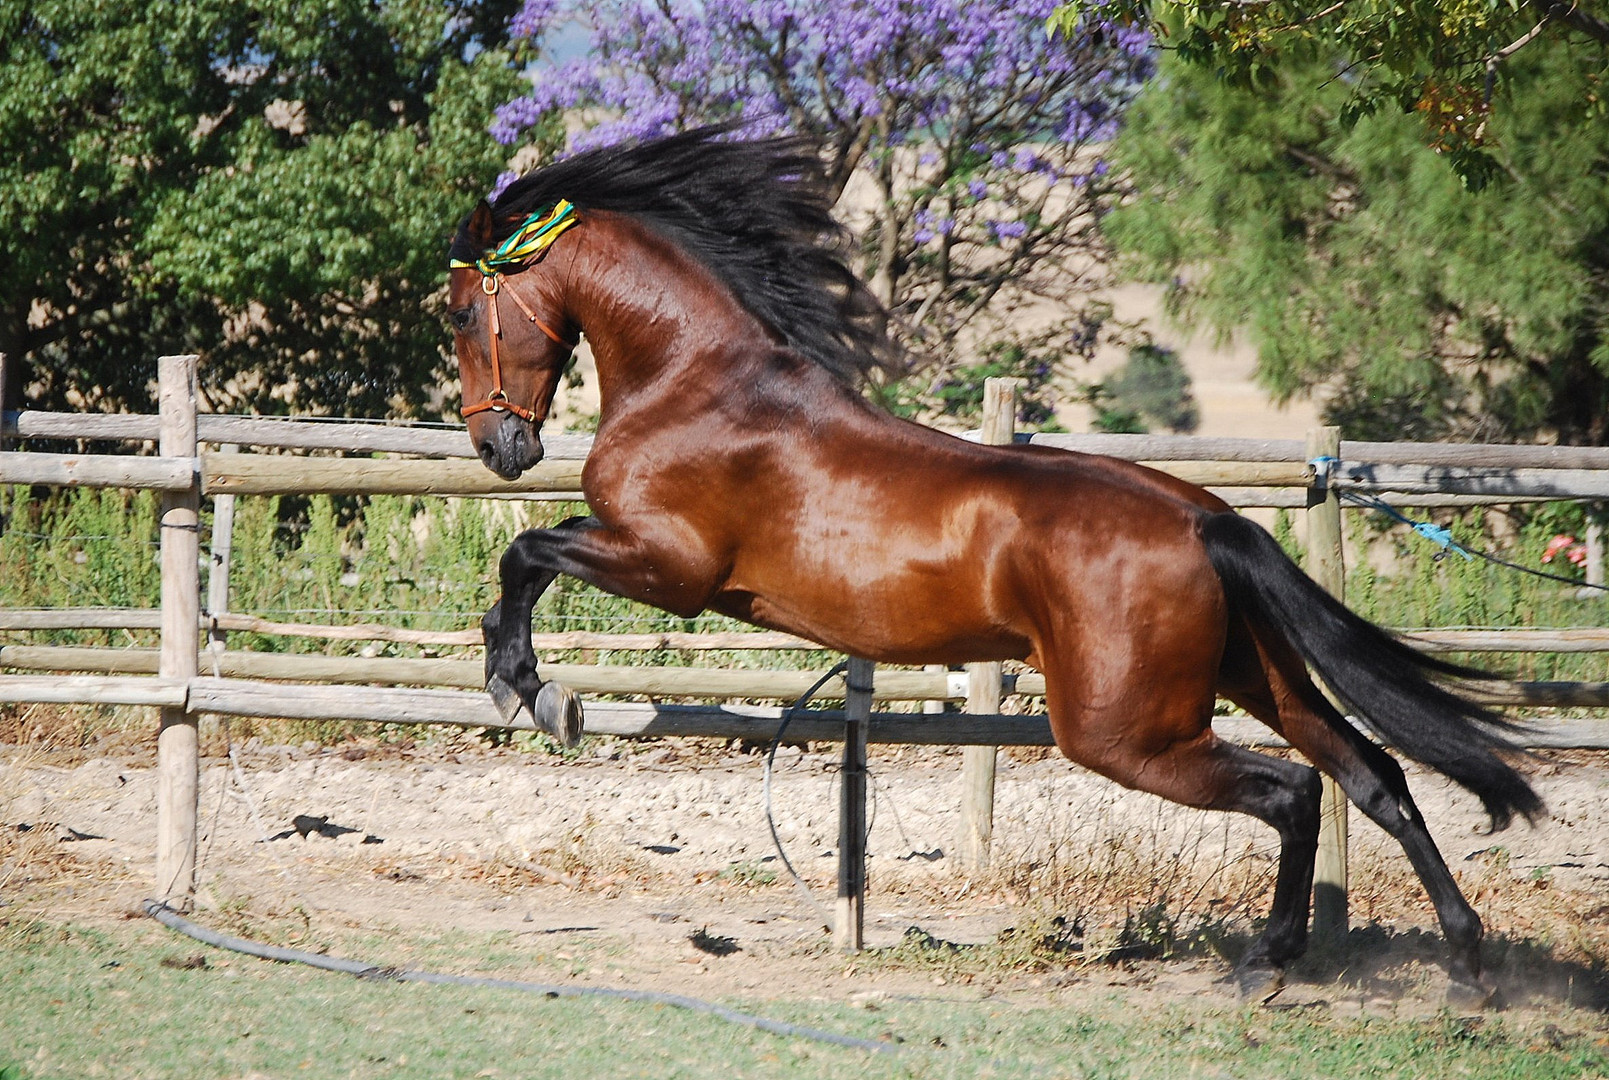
[[512, 447]]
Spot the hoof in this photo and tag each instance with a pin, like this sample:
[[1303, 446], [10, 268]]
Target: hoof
[[1259, 983], [504, 697], [1470, 996], [558, 712]]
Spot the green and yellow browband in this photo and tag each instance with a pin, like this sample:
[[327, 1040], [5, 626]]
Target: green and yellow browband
[[533, 237]]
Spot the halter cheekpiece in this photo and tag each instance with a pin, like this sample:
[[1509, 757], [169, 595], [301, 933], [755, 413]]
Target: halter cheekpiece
[[525, 246]]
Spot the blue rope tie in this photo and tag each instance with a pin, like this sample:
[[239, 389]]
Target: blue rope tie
[[1441, 537]]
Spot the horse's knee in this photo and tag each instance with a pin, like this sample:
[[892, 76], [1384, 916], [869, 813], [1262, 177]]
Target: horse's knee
[[1308, 794], [1380, 790], [1289, 800]]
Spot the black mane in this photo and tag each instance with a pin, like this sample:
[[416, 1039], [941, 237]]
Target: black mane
[[755, 212]]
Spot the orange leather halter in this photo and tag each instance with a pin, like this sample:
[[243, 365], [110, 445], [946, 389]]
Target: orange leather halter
[[497, 400]]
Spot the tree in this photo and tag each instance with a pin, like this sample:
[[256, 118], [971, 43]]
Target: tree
[[1442, 61], [270, 184], [1363, 270], [965, 145], [1152, 387]]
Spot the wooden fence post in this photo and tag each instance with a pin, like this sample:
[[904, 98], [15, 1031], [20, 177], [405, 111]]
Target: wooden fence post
[[1325, 565], [1594, 565], [5, 373], [984, 679], [223, 539], [178, 743], [849, 933], [934, 706]]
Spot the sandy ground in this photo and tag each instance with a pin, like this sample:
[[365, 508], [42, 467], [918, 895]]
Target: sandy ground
[[651, 864]]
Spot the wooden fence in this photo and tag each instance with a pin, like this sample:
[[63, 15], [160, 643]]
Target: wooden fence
[[184, 680]]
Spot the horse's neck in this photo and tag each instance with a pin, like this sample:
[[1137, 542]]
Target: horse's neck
[[660, 324]]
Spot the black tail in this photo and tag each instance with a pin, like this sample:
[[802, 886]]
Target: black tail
[[1382, 681]]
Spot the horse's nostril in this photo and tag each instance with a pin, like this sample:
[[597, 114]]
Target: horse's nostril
[[488, 453]]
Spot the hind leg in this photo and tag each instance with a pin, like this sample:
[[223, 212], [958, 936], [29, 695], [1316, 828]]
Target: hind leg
[[1375, 783], [1179, 758]]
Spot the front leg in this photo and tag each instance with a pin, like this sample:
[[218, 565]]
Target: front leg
[[511, 677], [668, 573]]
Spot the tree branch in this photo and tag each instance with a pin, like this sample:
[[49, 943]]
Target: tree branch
[[1572, 16], [1519, 43]]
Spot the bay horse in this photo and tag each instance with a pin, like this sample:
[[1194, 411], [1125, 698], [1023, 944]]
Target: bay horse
[[737, 468]]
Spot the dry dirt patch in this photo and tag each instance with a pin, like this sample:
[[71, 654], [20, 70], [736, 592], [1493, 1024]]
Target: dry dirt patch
[[652, 865]]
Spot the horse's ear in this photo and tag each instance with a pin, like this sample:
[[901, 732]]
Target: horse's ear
[[481, 225]]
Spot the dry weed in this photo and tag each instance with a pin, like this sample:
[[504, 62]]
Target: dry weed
[[1122, 869]]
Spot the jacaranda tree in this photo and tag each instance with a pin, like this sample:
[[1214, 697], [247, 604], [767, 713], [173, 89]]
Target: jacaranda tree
[[964, 141]]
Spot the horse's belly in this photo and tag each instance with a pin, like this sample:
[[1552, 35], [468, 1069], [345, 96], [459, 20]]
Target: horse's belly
[[890, 634]]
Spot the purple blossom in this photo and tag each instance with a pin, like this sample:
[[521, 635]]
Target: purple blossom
[[824, 62], [503, 180], [532, 18], [976, 107]]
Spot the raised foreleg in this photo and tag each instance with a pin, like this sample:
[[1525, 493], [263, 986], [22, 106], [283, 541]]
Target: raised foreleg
[[584, 548], [527, 569]]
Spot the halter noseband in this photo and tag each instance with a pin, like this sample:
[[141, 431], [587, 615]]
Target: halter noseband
[[527, 245]]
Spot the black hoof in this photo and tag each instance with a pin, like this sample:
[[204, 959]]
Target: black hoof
[[558, 712], [1259, 983], [504, 697], [1463, 996]]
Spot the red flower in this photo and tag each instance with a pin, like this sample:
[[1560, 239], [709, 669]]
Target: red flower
[[1560, 543]]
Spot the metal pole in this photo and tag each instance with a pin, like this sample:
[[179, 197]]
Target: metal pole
[[849, 934]]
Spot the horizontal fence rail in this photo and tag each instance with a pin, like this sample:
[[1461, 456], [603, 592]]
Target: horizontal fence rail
[[395, 705], [346, 436], [454, 442], [98, 470], [650, 680], [654, 680], [1147, 447], [264, 474]]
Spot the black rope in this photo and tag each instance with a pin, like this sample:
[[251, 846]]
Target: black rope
[[1438, 535], [174, 921], [770, 759]]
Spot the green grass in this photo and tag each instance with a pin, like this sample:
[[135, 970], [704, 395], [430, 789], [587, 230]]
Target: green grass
[[88, 1003]]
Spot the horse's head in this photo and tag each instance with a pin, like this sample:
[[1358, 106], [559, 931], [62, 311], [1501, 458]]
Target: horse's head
[[511, 335]]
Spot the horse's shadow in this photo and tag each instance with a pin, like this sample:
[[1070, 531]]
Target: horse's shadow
[[1379, 962]]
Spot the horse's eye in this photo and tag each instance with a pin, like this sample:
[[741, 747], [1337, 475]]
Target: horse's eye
[[461, 317]]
